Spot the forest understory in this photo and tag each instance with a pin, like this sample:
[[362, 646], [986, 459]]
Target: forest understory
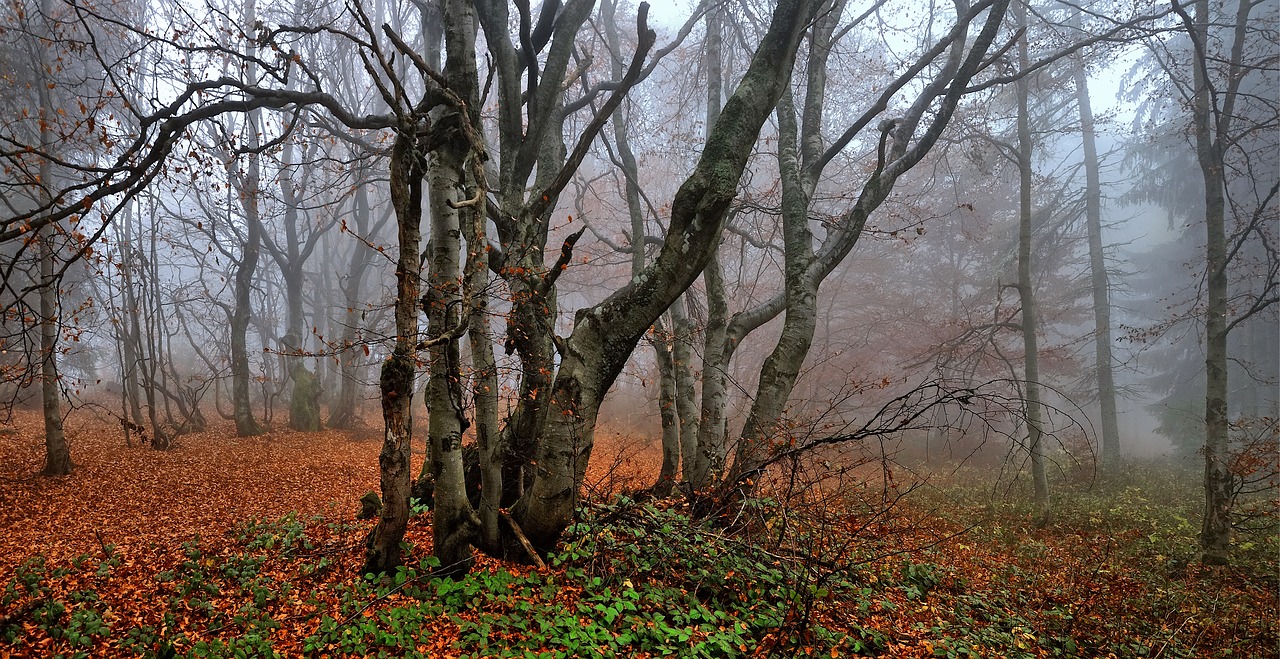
[[227, 547]]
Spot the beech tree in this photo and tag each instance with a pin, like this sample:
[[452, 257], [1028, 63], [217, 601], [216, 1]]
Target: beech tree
[[901, 143], [474, 166], [45, 138]]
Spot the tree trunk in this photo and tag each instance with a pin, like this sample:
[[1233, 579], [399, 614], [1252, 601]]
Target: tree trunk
[[342, 414], [150, 311], [896, 155], [782, 366], [530, 325], [240, 388], [484, 379], [704, 454], [704, 458], [249, 191], [128, 330], [682, 368], [382, 549], [800, 162], [57, 455], [1215, 532], [304, 397], [1026, 287], [1099, 280], [454, 522], [604, 335], [671, 437]]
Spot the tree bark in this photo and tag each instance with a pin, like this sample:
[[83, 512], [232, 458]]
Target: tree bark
[[605, 334], [682, 368], [57, 454], [669, 418], [484, 378], [710, 451], [1026, 287], [454, 523], [457, 192], [1098, 277], [382, 548]]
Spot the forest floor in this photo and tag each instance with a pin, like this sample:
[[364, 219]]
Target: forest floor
[[249, 547]]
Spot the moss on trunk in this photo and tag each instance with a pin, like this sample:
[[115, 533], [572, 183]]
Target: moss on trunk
[[304, 406]]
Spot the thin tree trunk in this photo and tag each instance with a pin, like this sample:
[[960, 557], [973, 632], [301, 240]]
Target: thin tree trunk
[[484, 378], [57, 454], [128, 326], [1215, 532], [382, 548], [669, 418], [249, 191], [240, 387], [343, 412], [1099, 282], [160, 437], [1026, 288], [682, 366], [704, 453], [304, 394]]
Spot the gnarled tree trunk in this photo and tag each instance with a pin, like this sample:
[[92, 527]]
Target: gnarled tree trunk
[[382, 548], [605, 334]]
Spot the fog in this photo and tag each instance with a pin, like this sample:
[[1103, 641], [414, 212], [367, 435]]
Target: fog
[[200, 222]]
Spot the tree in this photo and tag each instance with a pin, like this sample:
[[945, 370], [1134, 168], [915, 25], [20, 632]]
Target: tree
[[1230, 101], [490, 184], [40, 88], [342, 410], [902, 143], [1026, 287], [1100, 284]]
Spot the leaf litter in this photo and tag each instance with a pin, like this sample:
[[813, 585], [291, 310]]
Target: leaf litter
[[1008, 588]]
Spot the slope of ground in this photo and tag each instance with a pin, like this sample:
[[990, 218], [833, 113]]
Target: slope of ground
[[248, 547]]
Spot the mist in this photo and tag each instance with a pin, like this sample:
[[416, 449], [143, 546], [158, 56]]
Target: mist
[[792, 270]]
